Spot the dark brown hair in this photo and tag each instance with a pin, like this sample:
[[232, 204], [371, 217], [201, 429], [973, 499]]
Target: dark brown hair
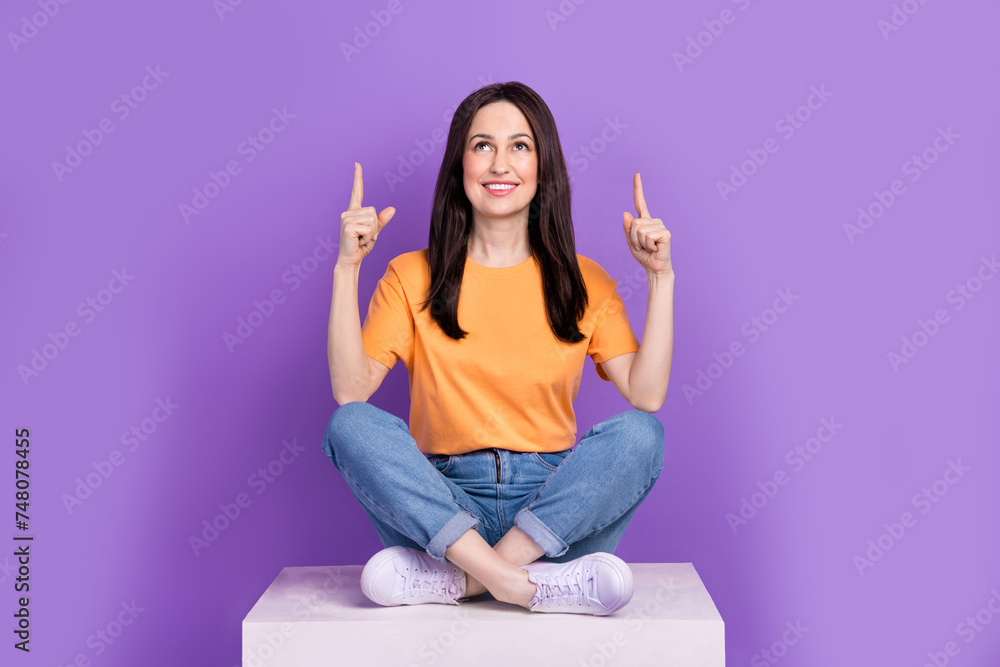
[[550, 223]]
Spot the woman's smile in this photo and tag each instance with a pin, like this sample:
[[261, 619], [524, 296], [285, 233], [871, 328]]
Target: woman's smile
[[499, 188]]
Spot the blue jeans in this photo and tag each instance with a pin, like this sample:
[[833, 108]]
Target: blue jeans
[[571, 503]]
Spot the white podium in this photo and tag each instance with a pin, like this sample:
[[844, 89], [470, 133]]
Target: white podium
[[319, 616]]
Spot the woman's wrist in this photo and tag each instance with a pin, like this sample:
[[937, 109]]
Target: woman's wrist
[[661, 278], [344, 268]]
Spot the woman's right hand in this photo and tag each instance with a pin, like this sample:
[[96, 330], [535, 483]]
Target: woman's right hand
[[359, 226]]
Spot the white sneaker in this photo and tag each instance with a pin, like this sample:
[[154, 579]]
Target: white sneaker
[[598, 584], [401, 575]]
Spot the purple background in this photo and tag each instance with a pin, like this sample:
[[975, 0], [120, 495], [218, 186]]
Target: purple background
[[827, 356]]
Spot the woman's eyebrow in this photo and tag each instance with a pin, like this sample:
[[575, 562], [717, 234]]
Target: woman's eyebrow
[[490, 136]]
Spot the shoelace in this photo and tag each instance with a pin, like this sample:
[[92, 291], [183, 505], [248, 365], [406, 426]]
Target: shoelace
[[423, 582], [566, 587]]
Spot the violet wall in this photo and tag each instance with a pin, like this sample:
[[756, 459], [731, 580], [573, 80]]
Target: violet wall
[[828, 175]]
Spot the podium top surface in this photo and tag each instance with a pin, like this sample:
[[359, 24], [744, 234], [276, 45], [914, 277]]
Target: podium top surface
[[332, 593]]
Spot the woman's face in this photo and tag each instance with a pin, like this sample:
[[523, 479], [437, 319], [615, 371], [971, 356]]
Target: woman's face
[[500, 150]]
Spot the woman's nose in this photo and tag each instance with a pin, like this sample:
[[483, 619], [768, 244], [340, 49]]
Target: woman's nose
[[499, 163]]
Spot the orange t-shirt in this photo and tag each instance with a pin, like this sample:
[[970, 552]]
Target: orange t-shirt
[[510, 383]]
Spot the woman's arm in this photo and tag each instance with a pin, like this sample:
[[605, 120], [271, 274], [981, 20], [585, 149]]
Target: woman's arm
[[642, 377], [354, 375], [650, 375]]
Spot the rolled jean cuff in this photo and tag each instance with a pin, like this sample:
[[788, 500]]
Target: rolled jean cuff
[[457, 526], [543, 536]]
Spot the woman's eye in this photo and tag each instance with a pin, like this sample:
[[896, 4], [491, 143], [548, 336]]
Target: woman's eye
[[520, 143]]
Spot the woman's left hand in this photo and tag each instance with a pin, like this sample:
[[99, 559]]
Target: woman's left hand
[[647, 238]]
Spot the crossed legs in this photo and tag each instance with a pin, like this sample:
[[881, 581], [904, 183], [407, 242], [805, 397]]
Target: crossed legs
[[574, 514]]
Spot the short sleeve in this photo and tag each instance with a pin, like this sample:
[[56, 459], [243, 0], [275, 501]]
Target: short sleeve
[[387, 332], [613, 335]]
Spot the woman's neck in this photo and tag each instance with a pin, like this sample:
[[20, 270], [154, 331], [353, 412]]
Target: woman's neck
[[499, 243]]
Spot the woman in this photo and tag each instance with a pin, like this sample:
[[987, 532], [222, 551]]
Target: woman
[[485, 490]]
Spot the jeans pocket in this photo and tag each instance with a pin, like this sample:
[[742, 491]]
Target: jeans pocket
[[441, 461], [551, 460]]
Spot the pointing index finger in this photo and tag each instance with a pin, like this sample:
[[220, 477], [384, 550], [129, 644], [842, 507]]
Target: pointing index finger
[[357, 190], [640, 201]]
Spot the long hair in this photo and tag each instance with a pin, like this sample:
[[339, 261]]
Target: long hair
[[550, 223]]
